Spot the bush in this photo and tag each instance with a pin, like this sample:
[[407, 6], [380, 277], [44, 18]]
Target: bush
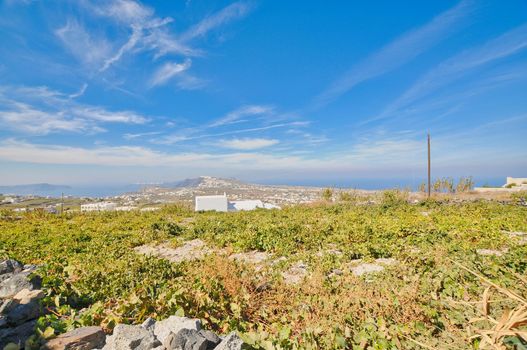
[[327, 194], [394, 198], [347, 196]]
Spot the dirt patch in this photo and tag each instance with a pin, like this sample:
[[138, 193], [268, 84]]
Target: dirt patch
[[520, 236], [295, 273], [490, 252], [189, 251], [367, 268]]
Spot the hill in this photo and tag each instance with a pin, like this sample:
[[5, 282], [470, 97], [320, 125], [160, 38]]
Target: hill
[[187, 189]]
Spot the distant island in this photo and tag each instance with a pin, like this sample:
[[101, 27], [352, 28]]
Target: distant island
[[40, 189]]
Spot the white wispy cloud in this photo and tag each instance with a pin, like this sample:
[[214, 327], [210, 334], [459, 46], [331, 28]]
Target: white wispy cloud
[[459, 66], [146, 32], [400, 51], [103, 115], [20, 151], [130, 136], [81, 91], [388, 152], [189, 82], [24, 118], [126, 11], [168, 71], [233, 11], [197, 133], [237, 115], [82, 44], [151, 33], [248, 143], [40, 111]]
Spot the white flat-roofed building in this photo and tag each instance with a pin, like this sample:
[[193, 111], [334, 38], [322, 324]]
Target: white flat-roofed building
[[125, 208], [217, 203], [99, 206], [245, 205], [221, 203], [250, 204]]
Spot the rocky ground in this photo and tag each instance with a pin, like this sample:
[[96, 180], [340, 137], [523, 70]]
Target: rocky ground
[[197, 249], [20, 307]]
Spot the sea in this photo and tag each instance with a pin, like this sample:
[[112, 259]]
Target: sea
[[358, 183]]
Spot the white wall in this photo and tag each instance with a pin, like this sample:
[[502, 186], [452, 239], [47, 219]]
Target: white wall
[[516, 180], [217, 203]]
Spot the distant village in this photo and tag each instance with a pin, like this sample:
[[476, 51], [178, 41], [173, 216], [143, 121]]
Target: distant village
[[203, 193]]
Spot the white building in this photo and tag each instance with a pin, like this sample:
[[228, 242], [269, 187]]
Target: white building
[[516, 182], [125, 208], [9, 200], [245, 205], [513, 184], [99, 206], [217, 203], [221, 203]]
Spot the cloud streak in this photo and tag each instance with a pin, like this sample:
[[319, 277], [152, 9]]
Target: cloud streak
[[80, 43], [234, 11], [237, 115], [247, 143], [397, 53], [168, 71], [459, 66], [41, 111]]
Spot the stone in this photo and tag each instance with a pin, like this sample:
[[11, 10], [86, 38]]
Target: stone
[[127, 337], [85, 338], [295, 274], [174, 324], [185, 339], [17, 282], [230, 342], [189, 251], [366, 268], [262, 287], [520, 236], [212, 339], [25, 295], [19, 313], [17, 335], [489, 252], [4, 307], [335, 272], [10, 266], [253, 257], [148, 323], [386, 261]]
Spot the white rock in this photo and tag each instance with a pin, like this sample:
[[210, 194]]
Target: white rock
[[296, 273], [386, 261], [126, 337], [492, 252], [174, 324], [366, 268]]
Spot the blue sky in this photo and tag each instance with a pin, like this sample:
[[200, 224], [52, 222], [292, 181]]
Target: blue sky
[[119, 91]]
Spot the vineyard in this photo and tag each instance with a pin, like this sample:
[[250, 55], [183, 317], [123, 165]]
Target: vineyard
[[381, 274]]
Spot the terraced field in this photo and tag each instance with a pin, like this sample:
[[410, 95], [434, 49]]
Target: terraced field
[[389, 275]]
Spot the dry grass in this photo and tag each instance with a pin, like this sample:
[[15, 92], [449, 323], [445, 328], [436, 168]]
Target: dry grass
[[511, 322]]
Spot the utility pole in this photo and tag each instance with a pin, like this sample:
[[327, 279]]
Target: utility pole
[[62, 204], [429, 185]]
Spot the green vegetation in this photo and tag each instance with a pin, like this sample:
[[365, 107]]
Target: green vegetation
[[448, 185], [327, 194], [427, 297]]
